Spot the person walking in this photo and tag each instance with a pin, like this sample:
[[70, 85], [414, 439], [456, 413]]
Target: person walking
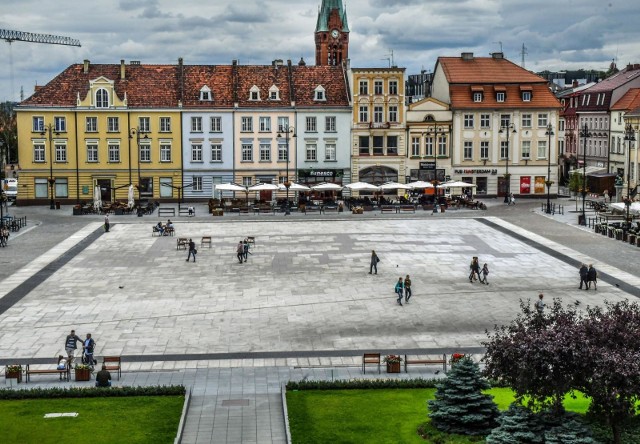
[[540, 304], [240, 251], [584, 275], [475, 269], [399, 290], [485, 273], [245, 249], [592, 276], [71, 345], [374, 262], [407, 289], [88, 346], [106, 223], [192, 250]]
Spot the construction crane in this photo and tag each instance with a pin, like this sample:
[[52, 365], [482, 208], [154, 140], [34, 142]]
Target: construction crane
[[32, 37]]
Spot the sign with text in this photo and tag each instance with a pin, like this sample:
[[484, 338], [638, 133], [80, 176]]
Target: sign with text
[[427, 165], [525, 185], [539, 185], [476, 171]]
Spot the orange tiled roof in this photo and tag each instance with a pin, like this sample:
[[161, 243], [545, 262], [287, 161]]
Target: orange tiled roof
[[331, 78], [485, 70], [541, 97], [628, 102], [219, 80]]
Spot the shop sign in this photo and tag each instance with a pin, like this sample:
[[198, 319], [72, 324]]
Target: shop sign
[[427, 165], [477, 171], [539, 186], [322, 173], [525, 185]]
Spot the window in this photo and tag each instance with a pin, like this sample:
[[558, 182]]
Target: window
[[542, 120], [477, 97], [205, 94], [92, 152], [378, 114], [311, 125], [254, 93], [363, 115], [311, 151], [61, 152], [265, 124], [377, 87], [102, 98], [114, 152], [247, 152], [505, 120], [363, 144], [484, 150], [442, 146], [468, 150], [500, 97], [196, 152], [330, 124], [41, 188], [197, 183], [216, 124], [165, 152], [145, 152], [146, 186], [330, 152], [166, 186], [561, 126], [165, 124], [526, 120], [542, 149], [38, 152], [364, 87], [526, 149], [91, 125], [320, 94], [392, 145], [196, 124], [468, 121], [274, 93], [378, 145], [113, 124], [283, 124], [216, 152], [393, 87], [393, 113], [38, 124], [144, 124], [265, 152], [526, 96], [504, 149], [246, 181], [61, 187], [415, 147], [247, 125], [428, 145], [282, 151], [485, 121]]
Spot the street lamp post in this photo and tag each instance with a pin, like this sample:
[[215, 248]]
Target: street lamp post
[[136, 132], [48, 129], [630, 138], [549, 133], [506, 128], [584, 133], [436, 148], [286, 129]]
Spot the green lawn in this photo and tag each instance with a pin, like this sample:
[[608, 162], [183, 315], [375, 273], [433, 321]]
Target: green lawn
[[136, 419], [380, 416]]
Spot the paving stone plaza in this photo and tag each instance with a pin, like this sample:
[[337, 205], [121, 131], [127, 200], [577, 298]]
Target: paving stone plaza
[[303, 305]]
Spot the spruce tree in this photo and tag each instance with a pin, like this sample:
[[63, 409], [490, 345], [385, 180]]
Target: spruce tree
[[518, 425], [460, 406], [569, 431]]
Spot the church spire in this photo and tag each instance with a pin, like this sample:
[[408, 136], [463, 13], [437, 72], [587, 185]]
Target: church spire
[[332, 33], [328, 6]]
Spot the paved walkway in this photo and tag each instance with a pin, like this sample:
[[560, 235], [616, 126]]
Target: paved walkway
[[303, 306]]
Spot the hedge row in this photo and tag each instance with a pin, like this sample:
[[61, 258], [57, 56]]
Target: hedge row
[[92, 392], [342, 384]]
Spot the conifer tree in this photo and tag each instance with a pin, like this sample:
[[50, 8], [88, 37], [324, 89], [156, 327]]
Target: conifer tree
[[518, 425]]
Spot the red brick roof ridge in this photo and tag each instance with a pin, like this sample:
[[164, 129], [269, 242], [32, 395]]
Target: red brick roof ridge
[[486, 70]]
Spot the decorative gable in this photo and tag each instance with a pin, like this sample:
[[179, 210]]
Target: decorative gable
[[319, 94], [254, 93], [205, 94], [274, 93], [101, 95]]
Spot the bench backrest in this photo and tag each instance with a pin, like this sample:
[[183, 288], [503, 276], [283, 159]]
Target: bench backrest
[[111, 359], [371, 358]]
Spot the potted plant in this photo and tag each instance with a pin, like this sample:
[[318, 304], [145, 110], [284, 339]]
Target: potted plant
[[83, 372], [456, 357], [13, 371], [393, 363]]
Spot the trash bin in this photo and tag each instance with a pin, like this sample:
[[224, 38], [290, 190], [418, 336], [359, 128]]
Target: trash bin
[[582, 219], [57, 205]]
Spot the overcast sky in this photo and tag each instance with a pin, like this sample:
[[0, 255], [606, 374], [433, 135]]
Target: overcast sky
[[558, 35]]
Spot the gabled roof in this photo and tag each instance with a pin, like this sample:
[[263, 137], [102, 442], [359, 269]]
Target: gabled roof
[[325, 12], [486, 70], [264, 77], [628, 102], [616, 80], [541, 97], [217, 77], [331, 78]]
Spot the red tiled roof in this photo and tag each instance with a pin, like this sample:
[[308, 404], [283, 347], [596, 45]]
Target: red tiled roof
[[485, 70], [264, 77], [218, 78], [616, 80], [307, 78], [628, 102], [541, 97]]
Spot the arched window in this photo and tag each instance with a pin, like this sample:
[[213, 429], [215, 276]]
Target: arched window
[[102, 98], [377, 175]]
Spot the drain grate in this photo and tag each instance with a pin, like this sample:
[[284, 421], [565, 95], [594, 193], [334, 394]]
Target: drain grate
[[235, 402]]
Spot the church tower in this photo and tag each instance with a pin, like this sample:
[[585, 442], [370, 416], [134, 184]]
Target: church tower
[[332, 34]]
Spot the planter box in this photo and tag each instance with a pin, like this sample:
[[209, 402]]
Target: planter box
[[83, 374], [217, 212], [393, 367], [15, 374]]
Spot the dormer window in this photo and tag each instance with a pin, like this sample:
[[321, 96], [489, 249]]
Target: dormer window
[[526, 96], [477, 97], [274, 93], [205, 94], [102, 98], [319, 94], [500, 97], [254, 93]]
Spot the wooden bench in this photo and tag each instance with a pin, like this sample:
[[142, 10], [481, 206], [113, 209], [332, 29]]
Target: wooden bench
[[410, 361], [387, 209], [205, 240], [64, 374], [407, 209], [370, 358], [181, 243], [156, 231], [185, 212], [166, 212], [113, 363], [312, 209], [169, 231]]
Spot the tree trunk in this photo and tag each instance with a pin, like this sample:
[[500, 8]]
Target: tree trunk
[[615, 429]]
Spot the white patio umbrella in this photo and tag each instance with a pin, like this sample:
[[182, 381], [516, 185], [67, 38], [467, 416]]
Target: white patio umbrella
[[420, 184], [327, 187], [363, 186], [130, 199], [634, 208], [263, 187], [293, 187], [456, 185], [394, 186], [230, 187], [97, 198]]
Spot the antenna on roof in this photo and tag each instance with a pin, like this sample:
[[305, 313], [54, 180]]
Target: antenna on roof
[[499, 43], [523, 53], [389, 58]]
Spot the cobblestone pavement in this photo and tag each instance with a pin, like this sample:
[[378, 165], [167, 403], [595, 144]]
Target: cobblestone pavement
[[304, 292]]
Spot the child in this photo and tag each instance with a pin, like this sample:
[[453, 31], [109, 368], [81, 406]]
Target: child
[[485, 272]]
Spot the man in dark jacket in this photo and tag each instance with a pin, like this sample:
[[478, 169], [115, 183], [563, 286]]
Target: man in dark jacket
[[103, 378], [192, 250], [71, 344], [584, 273], [592, 276]]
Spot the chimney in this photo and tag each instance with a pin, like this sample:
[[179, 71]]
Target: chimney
[[575, 83], [467, 56], [122, 70], [497, 55], [86, 66], [277, 62]]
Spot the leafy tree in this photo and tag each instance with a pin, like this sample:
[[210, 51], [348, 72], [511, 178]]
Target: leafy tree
[[575, 182], [518, 425], [8, 135], [545, 343], [460, 406]]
